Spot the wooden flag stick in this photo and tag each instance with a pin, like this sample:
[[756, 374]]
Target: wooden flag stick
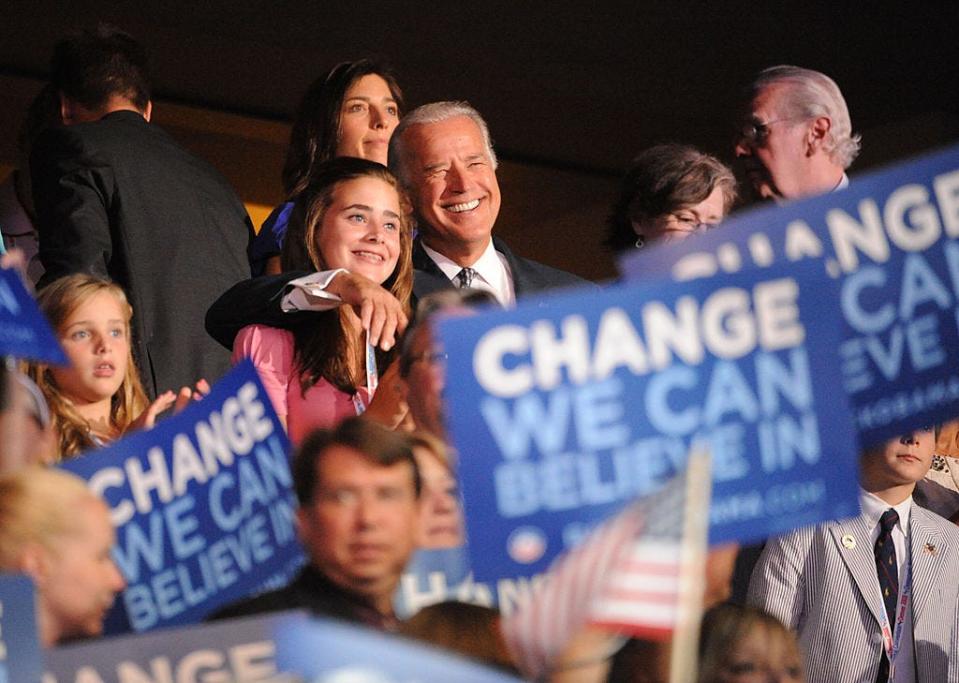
[[685, 643]]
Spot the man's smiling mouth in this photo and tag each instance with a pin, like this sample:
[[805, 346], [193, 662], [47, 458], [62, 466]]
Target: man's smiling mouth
[[464, 206]]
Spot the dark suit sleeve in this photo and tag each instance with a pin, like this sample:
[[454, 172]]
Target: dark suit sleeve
[[72, 191], [252, 302]]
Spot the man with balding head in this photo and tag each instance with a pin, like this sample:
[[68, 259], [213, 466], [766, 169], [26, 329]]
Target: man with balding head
[[795, 139]]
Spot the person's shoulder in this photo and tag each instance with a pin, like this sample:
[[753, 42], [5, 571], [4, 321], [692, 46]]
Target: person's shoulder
[[555, 275], [272, 601], [935, 522], [57, 142], [532, 275], [935, 537], [115, 136], [126, 136], [115, 128], [802, 537]]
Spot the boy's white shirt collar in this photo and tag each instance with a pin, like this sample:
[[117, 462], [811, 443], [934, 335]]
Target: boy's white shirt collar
[[873, 507]]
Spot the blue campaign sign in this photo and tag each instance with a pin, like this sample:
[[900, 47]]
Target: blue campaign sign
[[24, 330], [890, 238], [19, 639], [203, 506], [326, 650], [237, 650], [565, 409], [438, 575]]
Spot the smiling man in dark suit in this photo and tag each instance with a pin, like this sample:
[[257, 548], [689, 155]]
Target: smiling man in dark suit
[[118, 197], [443, 156]]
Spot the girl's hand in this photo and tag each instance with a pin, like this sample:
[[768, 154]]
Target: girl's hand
[[148, 417], [179, 401], [186, 394]]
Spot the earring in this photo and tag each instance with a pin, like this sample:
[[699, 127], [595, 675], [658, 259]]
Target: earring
[[640, 242]]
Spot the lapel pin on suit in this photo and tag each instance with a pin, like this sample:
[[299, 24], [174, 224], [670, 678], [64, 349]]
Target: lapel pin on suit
[[929, 549], [848, 541]]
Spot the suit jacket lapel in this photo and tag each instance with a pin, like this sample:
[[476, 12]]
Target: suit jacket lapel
[[517, 270], [860, 560], [928, 559], [422, 260], [427, 276]]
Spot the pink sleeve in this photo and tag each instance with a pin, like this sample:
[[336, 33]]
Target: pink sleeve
[[271, 351]]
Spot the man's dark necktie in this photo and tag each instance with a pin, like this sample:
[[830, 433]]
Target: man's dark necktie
[[887, 568], [465, 277]]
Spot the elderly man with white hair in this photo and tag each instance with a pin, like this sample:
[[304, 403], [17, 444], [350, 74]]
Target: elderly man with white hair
[[795, 138]]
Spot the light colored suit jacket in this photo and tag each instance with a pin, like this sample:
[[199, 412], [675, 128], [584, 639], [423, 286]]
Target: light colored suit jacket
[[829, 594]]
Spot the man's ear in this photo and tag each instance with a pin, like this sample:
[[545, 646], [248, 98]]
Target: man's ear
[[67, 110], [148, 112], [817, 133]]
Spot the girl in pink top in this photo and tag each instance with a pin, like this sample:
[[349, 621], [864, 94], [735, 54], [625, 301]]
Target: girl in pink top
[[356, 219]]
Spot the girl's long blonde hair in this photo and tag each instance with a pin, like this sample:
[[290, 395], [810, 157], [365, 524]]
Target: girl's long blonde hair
[[58, 301]]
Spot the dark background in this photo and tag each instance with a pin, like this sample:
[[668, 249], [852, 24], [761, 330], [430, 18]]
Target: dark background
[[571, 91]]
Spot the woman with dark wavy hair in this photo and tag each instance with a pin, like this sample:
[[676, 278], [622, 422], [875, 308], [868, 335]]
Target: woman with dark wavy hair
[[350, 111]]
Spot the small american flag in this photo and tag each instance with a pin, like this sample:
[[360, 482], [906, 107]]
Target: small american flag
[[639, 573]]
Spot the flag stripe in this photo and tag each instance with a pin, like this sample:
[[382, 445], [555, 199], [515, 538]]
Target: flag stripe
[[644, 582], [629, 626], [655, 597], [660, 616]]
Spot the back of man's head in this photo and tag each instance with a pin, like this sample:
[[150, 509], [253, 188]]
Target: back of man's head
[[93, 66]]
